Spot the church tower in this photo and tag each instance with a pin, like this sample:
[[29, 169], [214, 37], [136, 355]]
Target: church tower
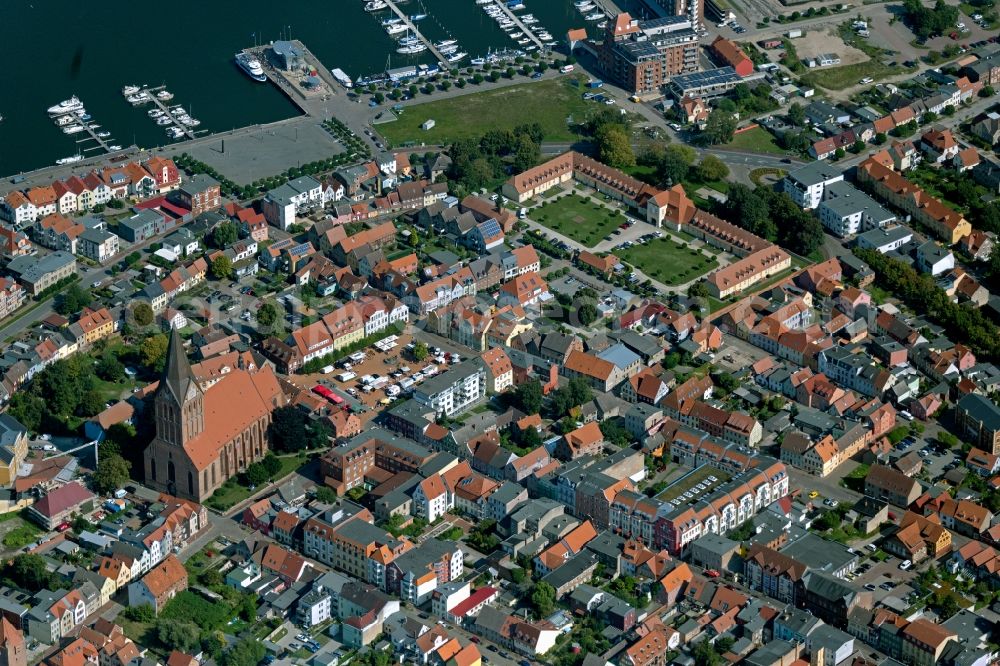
[[179, 405]]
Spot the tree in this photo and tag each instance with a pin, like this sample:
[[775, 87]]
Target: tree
[[28, 571], [224, 235], [140, 613], [112, 473], [271, 464], [222, 268], [142, 313], [420, 351], [73, 300], [797, 114], [587, 313], [326, 495], [288, 429], [91, 403], [267, 314], [177, 634], [256, 474], [698, 290], [248, 652], [153, 352], [109, 368], [711, 168], [528, 396], [614, 147], [705, 655], [676, 162], [543, 598], [720, 127]]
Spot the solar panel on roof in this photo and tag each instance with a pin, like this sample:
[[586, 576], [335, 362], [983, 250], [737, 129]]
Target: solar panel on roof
[[490, 228]]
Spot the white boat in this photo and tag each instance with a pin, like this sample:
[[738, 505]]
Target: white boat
[[524, 41], [175, 132], [191, 122], [516, 6], [478, 61], [375, 5], [103, 135], [484, 2], [178, 111], [251, 66], [141, 98], [457, 56], [70, 160], [448, 50], [446, 42], [411, 49], [130, 90], [65, 120], [408, 40], [114, 147], [544, 36], [73, 129], [417, 17], [164, 121], [154, 113], [596, 16], [165, 95], [66, 106], [590, 6], [582, 3], [342, 77], [396, 28], [516, 35], [603, 24], [391, 21]]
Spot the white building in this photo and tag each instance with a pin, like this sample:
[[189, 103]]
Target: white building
[[455, 390], [885, 240], [846, 211], [934, 259], [282, 204], [97, 244], [806, 185], [315, 607]]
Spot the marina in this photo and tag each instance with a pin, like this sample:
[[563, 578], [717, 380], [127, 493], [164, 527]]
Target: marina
[[201, 69], [411, 28], [527, 32], [176, 128], [72, 118]]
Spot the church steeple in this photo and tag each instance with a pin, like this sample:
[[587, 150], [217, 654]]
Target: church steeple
[[180, 409], [177, 376]]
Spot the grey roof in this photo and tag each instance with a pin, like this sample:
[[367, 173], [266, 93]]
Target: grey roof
[[715, 544], [199, 183], [10, 431], [32, 269], [620, 355], [981, 409], [144, 217], [97, 236], [830, 587], [644, 345], [446, 379], [815, 173], [571, 569], [844, 199], [819, 554], [880, 237], [178, 377]]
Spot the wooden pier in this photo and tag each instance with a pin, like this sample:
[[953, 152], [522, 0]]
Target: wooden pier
[[524, 27], [416, 33], [91, 129], [151, 94]]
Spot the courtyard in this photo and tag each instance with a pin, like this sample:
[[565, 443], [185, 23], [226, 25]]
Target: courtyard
[[585, 220], [667, 261]]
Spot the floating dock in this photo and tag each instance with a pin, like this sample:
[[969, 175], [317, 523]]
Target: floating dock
[[522, 26], [416, 33], [151, 94]]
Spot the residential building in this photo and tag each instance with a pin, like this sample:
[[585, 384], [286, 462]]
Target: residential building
[[979, 418], [890, 485], [806, 185], [455, 390], [160, 585]]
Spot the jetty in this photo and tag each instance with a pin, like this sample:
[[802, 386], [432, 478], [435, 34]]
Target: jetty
[[91, 129], [416, 33], [522, 26], [151, 94]]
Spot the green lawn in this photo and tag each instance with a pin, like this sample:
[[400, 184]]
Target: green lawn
[[584, 220], [21, 536], [546, 102], [757, 140], [232, 493], [838, 78], [668, 262]]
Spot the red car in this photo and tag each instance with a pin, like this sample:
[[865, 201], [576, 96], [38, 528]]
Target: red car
[[62, 527], [712, 573]]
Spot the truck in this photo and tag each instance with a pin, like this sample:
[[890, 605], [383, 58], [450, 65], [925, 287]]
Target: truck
[[596, 83], [346, 376], [327, 369], [566, 69], [792, 34]]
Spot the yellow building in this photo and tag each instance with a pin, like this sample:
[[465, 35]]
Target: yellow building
[[93, 325], [13, 448]]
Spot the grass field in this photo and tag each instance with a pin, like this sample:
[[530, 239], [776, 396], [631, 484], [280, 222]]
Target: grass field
[[667, 262], [757, 140], [232, 493], [583, 220], [546, 102], [838, 78]]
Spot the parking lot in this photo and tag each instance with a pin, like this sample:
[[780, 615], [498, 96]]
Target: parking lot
[[884, 579], [382, 377]]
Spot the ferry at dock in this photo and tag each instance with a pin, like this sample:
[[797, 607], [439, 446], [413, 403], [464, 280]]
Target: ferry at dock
[[251, 66], [69, 160], [342, 78]]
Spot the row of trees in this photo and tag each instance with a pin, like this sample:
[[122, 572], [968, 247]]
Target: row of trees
[[677, 163], [774, 216], [966, 323]]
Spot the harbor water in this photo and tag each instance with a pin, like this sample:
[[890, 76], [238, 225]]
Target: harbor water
[[62, 48]]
